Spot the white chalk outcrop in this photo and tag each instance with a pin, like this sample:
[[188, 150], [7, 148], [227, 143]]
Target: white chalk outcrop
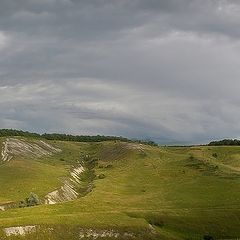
[[2, 208], [68, 191], [22, 230], [5, 152], [20, 147], [96, 234], [87, 233]]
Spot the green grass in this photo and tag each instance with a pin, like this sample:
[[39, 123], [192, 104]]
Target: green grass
[[184, 193]]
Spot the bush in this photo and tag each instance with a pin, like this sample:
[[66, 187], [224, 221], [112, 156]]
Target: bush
[[214, 155], [22, 204], [101, 176], [191, 158], [109, 166], [105, 166], [155, 220], [32, 200], [208, 237]]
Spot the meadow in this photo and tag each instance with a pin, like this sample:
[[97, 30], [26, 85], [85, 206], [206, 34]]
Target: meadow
[[145, 192]]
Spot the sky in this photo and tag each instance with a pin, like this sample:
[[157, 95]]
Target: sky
[[166, 70]]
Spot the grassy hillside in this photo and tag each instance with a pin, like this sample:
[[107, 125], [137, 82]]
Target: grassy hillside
[[144, 192]]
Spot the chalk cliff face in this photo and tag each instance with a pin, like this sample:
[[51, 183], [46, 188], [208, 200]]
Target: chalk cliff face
[[20, 147], [69, 190]]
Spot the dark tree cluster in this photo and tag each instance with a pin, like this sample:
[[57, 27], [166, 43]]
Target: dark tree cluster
[[81, 138], [13, 132], [225, 142]]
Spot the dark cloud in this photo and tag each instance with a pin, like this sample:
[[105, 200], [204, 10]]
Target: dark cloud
[[167, 70]]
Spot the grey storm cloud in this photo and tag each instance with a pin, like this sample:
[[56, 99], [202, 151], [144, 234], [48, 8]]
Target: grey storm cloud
[[167, 70]]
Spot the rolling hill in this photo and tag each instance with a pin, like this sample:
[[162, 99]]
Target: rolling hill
[[118, 190]]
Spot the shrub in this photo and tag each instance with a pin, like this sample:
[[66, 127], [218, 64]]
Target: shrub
[[101, 176], [32, 200], [105, 166], [208, 237], [22, 204], [191, 158], [155, 220], [214, 155], [109, 166]]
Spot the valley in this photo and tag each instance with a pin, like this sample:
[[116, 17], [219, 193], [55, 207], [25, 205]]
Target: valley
[[118, 190]]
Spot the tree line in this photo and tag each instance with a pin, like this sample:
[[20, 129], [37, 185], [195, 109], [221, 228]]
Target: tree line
[[225, 142], [69, 137]]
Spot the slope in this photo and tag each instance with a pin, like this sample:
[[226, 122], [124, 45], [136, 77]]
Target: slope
[[141, 192]]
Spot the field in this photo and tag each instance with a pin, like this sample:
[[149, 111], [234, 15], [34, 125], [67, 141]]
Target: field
[[137, 192]]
